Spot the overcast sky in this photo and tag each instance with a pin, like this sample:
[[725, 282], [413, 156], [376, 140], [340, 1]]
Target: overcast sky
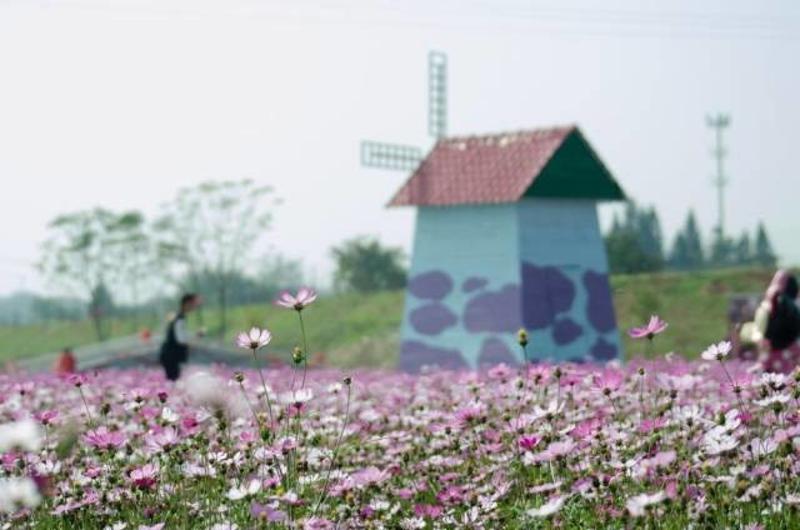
[[120, 102]]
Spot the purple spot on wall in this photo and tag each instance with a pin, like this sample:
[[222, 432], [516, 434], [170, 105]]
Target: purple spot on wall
[[414, 355], [494, 351], [432, 319], [473, 283], [603, 350], [600, 308], [566, 331], [494, 311], [433, 285], [546, 291]]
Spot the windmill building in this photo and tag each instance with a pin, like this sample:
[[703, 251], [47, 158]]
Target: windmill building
[[506, 237]]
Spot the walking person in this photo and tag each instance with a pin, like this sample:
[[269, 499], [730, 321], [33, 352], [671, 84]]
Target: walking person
[[65, 362], [175, 348]]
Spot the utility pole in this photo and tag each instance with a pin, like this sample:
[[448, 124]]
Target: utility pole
[[719, 123]]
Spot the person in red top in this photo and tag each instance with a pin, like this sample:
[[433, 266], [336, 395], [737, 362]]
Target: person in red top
[[65, 363]]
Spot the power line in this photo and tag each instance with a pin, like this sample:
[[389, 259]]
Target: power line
[[580, 23]]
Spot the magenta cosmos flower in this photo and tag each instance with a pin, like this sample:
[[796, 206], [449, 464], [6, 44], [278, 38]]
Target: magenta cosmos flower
[[144, 477], [653, 328], [254, 339], [305, 296]]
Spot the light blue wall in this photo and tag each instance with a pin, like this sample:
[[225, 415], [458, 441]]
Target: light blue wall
[[564, 233], [465, 241], [493, 242]]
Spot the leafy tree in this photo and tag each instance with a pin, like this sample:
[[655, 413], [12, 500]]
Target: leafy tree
[[131, 254], [687, 250], [277, 273], [363, 265], [77, 255], [743, 253], [634, 244], [207, 234], [101, 306], [764, 255], [650, 237], [723, 251]]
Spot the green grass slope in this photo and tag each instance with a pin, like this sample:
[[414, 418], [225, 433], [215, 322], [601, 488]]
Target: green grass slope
[[362, 330]]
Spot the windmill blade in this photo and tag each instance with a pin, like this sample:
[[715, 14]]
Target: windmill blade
[[437, 94], [390, 156]]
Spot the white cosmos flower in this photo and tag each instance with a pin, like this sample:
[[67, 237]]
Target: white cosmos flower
[[731, 423], [689, 413], [24, 434], [244, 490], [297, 397], [773, 380], [759, 447], [169, 416], [16, 493], [549, 508], [254, 339], [771, 400], [717, 352], [637, 505], [225, 526], [716, 442], [552, 408]]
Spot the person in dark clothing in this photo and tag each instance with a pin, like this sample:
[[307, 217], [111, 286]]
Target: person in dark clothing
[[783, 326], [175, 348]]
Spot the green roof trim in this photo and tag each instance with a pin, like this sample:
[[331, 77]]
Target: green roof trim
[[575, 172]]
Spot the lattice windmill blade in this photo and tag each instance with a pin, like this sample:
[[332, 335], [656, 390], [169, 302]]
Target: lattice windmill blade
[[390, 156], [437, 94]]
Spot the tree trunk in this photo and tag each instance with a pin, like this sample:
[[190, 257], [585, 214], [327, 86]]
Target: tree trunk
[[223, 311], [97, 320]]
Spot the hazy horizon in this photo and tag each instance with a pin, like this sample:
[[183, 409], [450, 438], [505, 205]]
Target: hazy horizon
[[118, 104]]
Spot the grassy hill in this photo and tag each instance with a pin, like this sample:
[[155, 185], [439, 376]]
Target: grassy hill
[[363, 329]]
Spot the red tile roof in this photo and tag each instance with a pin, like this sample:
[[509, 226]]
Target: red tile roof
[[481, 169]]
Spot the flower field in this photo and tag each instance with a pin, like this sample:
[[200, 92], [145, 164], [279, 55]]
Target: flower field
[[667, 445]]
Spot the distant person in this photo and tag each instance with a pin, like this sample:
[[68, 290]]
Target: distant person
[[65, 362], [175, 349], [145, 335], [776, 326]]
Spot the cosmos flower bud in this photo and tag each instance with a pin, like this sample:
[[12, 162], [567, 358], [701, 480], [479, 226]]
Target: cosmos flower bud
[[238, 377], [522, 337], [347, 380], [297, 355]]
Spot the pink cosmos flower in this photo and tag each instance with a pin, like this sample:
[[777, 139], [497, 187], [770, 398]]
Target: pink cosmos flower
[[267, 513], [653, 328], [650, 425], [254, 340], [608, 381], [369, 476], [46, 417], [162, 439], [305, 297], [527, 443], [77, 379], [318, 523], [434, 511], [465, 416], [102, 438], [144, 477]]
